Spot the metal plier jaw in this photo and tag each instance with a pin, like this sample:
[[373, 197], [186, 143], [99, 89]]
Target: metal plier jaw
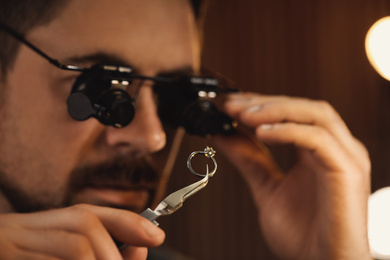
[[175, 200]]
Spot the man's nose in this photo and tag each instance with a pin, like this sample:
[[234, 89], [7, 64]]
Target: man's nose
[[145, 133]]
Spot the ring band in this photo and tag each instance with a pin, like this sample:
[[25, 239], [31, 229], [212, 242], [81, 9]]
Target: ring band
[[209, 153]]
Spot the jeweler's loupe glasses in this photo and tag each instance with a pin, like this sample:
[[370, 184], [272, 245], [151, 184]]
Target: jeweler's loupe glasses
[[108, 93]]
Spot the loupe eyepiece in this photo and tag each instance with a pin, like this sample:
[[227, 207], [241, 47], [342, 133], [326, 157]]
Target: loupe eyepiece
[[203, 118], [115, 108], [101, 92], [189, 102]]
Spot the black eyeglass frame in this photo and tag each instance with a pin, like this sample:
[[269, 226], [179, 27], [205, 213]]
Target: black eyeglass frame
[[202, 88], [59, 65]]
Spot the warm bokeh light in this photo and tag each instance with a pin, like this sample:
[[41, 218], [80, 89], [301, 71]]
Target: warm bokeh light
[[378, 46], [379, 223]]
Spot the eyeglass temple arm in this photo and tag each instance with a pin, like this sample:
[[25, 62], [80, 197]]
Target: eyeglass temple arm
[[55, 62]]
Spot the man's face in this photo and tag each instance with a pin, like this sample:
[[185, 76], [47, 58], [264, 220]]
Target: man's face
[[47, 159]]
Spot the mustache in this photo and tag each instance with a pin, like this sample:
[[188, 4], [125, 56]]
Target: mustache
[[123, 172]]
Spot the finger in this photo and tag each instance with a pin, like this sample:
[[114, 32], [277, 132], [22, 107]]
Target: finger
[[312, 138], [92, 239], [237, 102], [129, 227], [10, 252], [126, 226], [275, 110], [97, 224], [135, 253], [269, 110], [54, 243], [318, 113], [31, 256], [259, 110]]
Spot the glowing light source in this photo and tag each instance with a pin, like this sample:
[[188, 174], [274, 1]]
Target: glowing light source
[[379, 223], [378, 46]]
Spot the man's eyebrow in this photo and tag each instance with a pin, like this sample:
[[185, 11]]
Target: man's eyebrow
[[110, 59], [98, 57]]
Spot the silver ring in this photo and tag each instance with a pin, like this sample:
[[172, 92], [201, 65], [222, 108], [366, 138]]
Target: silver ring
[[209, 153]]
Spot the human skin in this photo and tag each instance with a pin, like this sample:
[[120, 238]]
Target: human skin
[[41, 145], [316, 211]]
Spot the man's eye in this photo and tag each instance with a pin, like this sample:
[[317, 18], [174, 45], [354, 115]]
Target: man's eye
[[63, 86]]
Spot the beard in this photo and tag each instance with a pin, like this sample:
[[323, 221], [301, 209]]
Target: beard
[[119, 173]]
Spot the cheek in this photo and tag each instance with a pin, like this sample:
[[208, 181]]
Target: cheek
[[26, 127], [34, 111], [38, 124], [22, 160], [40, 145]]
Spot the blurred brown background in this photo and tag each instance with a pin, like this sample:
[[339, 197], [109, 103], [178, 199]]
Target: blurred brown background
[[309, 48]]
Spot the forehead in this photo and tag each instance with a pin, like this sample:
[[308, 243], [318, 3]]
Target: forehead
[[152, 35]]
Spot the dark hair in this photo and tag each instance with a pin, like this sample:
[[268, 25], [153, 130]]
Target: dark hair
[[24, 15]]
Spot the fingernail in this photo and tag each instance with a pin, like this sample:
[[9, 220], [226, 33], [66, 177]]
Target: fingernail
[[266, 126], [253, 108], [151, 229]]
